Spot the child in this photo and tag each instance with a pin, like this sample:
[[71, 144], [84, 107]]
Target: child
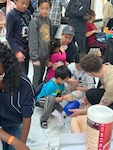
[[39, 40], [51, 94], [80, 81], [91, 30], [57, 56], [17, 32]]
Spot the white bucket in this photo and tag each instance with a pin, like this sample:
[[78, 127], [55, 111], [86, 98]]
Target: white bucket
[[99, 127]]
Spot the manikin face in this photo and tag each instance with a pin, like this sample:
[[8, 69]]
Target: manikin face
[[66, 39], [44, 9], [22, 5], [2, 74]]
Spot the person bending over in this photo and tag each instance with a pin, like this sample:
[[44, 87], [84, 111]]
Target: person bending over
[[103, 95]]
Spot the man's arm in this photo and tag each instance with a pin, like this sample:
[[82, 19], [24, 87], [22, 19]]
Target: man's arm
[[77, 112], [104, 101]]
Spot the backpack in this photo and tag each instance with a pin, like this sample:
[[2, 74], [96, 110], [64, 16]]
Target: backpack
[[37, 91], [39, 88], [101, 37]]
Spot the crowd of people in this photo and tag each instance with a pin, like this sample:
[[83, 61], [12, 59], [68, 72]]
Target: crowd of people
[[70, 71]]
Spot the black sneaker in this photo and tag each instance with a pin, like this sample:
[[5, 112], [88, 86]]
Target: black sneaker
[[44, 124]]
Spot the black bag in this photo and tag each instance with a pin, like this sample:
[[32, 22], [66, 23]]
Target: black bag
[[109, 52], [38, 89], [100, 37]]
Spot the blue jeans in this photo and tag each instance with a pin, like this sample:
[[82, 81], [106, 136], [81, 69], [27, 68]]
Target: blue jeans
[[13, 130]]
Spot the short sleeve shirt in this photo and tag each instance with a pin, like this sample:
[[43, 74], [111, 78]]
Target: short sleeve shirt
[[51, 89], [107, 82], [90, 27]]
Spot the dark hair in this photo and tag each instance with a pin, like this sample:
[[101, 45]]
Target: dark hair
[[11, 68], [91, 63], [43, 1], [91, 13], [55, 43], [63, 72], [78, 58]]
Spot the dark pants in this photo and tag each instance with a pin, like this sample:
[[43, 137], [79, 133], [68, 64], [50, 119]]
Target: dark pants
[[38, 74], [25, 65], [81, 41], [49, 104], [102, 46], [94, 96]]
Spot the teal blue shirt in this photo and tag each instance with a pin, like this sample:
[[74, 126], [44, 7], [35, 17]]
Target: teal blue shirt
[[51, 89]]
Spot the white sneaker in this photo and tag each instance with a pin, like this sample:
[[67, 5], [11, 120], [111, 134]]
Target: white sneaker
[[59, 117]]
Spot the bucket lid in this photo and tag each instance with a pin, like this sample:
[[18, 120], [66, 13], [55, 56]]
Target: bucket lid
[[100, 114]]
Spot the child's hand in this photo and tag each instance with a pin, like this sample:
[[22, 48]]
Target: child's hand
[[66, 63], [20, 56], [95, 31], [68, 97], [63, 48], [49, 63]]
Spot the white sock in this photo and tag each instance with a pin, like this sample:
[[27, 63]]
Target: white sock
[[59, 117]]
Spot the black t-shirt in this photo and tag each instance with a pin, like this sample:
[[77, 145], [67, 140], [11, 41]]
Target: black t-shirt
[[71, 52]]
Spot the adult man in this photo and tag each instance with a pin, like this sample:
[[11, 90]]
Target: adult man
[[107, 12], [56, 14], [103, 96], [76, 9], [94, 67], [67, 35]]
